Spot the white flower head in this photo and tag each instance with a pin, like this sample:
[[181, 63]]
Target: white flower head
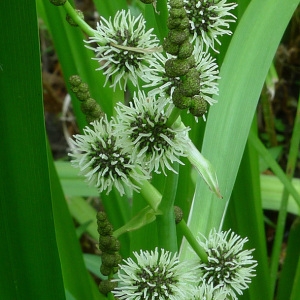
[[144, 133], [209, 19], [208, 70], [123, 48], [209, 292], [154, 275], [229, 267], [208, 74], [101, 159]]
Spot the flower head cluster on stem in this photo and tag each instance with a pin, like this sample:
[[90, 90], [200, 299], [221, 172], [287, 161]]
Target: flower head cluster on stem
[[124, 49], [229, 267], [102, 160], [154, 275], [151, 142], [209, 19]]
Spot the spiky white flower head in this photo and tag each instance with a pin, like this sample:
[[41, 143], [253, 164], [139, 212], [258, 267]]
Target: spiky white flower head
[[154, 275], [209, 19], [125, 48], [208, 70], [144, 133], [209, 292], [101, 159], [229, 267], [206, 66]]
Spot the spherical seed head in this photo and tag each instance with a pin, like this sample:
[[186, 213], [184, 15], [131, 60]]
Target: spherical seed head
[[102, 160], [198, 107], [209, 19], [122, 49], [154, 275], [106, 286], [75, 80], [143, 131], [229, 267]]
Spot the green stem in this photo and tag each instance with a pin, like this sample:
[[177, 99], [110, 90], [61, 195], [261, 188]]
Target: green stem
[[291, 164], [167, 238], [149, 193], [175, 113], [81, 23], [192, 241], [204, 168], [110, 296]]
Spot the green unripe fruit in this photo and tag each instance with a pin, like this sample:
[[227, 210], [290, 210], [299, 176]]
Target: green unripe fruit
[[176, 3], [88, 106], [75, 80], [191, 85], [109, 260], [170, 47], [101, 216], [105, 270], [176, 67], [178, 36], [173, 23], [179, 100], [198, 107], [83, 96], [185, 50], [106, 286], [177, 13]]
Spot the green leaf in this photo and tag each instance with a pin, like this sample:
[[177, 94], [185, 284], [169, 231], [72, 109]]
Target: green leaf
[[93, 263], [30, 265], [243, 72], [142, 218], [245, 216], [289, 280], [76, 278]]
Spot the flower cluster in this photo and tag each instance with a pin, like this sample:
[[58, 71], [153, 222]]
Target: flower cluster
[[209, 19], [152, 143], [127, 149], [229, 268], [161, 275], [124, 49], [154, 275], [102, 160]]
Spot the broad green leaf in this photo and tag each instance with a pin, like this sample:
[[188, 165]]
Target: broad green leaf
[[76, 278], [243, 72], [289, 280], [29, 260]]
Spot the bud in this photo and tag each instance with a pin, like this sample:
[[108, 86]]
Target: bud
[[178, 214], [88, 106], [106, 286], [199, 106], [179, 100], [185, 50], [75, 80], [176, 67]]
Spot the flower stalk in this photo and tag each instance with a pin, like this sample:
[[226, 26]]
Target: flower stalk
[[76, 18], [192, 241]]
